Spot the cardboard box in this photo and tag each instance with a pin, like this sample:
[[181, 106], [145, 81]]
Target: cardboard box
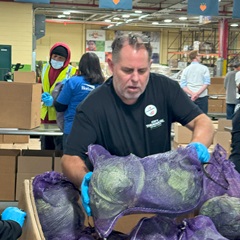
[[19, 183], [222, 138], [35, 161], [32, 228], [8, 163], [1, 138], [24, 77], [14, 138], [222, 123], [217, 86], [31, 163], [20, 105], [57, 161], [182, 134], [215, 105]]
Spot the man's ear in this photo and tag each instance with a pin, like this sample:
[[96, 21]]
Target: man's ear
[[110, 64]]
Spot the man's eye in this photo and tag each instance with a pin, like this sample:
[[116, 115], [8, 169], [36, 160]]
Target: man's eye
[[142, 71], [128, 70]]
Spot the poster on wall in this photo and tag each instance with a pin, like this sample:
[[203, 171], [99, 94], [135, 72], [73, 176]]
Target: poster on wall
[[97, 41]]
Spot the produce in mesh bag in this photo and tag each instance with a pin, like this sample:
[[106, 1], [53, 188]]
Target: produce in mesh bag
[[199, 228], [168, 183], [164, 228], [225, 213], [56, 200], [222, 177], [155, 228]]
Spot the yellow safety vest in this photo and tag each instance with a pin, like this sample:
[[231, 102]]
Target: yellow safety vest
[[65, 74]]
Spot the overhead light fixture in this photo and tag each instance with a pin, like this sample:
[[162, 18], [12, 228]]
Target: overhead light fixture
[[143, 16], [61, 16], [116, 18], [234, 25], [155, 23], [126, 16], [107, 20], [66, 13], [168, 20], [182, 18], [138, 11]]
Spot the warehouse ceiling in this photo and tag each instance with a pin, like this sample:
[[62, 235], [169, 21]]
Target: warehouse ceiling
[[153, 14]]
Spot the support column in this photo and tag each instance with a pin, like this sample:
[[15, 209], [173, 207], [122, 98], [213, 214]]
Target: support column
[[223, 44]]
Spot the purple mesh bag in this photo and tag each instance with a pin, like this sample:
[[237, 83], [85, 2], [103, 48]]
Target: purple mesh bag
[[224, 211], [221, 176], [199, 228], [164, 228], [168, 183], [155, 228], [56, 200]]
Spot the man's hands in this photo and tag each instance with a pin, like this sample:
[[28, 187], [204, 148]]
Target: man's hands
[[84, 193], [47, 99], [14, 214], [202, 151]]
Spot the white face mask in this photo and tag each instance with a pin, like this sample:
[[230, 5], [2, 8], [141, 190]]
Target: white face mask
[[56, 64]]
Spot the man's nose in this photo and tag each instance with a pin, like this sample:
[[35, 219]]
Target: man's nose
[[135, 76]]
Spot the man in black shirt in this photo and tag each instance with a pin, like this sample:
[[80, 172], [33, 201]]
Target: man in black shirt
[[12, 220], [235, 145], [132, 112]]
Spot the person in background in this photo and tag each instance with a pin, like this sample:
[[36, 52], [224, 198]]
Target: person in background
[[237, 80], [11, 223], [230, 86], [56, 70], [91, 45], [132, 112], [195, 79], [77, 88]]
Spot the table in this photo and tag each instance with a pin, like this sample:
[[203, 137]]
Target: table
[[42, 130]]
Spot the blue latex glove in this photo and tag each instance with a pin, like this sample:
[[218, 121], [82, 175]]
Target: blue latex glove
[[84, 193], [14, 214], [47, 99], [202, 151]]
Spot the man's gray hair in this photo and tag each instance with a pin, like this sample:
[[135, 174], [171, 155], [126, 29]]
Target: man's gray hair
[[137, 41]]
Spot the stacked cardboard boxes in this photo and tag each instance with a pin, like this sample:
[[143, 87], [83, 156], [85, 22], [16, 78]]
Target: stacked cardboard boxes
[[8, 165], [14, 138], [20, 164], [217, 95]]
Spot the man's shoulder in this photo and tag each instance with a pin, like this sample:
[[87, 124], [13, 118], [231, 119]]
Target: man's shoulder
[[237, 74]]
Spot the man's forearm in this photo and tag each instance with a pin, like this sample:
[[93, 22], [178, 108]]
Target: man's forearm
[[203, 130], [74, 169], [203, 88], [188, 91]]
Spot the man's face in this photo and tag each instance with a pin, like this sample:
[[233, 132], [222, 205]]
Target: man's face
[[199, 58], [58, 58], [130, 73]]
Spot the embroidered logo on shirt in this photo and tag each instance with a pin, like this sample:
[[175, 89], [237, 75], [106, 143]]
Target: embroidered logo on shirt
[[150, 110], [87, 87], [155, 123]]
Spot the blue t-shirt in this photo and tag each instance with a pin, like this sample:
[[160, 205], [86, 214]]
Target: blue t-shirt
[[73, 92]]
